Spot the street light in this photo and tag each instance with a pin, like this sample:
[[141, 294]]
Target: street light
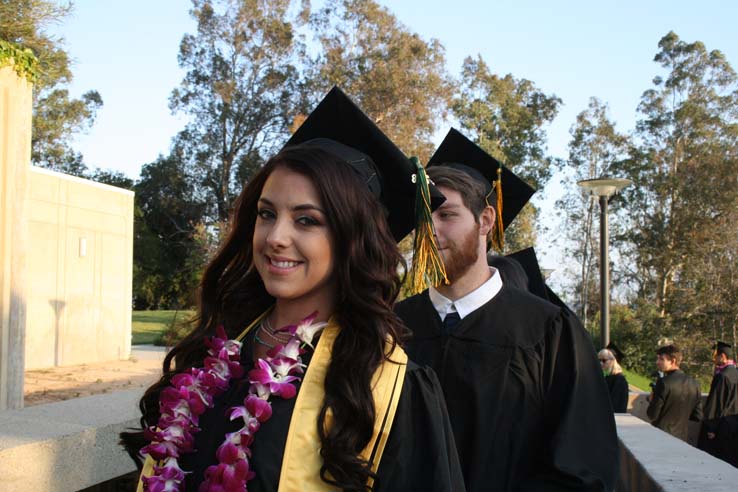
[[604, 188]]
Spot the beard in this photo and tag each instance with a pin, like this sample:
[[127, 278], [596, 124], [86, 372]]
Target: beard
[[460, 256]]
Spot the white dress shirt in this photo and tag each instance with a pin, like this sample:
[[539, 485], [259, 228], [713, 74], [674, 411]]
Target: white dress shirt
[[470, 302]]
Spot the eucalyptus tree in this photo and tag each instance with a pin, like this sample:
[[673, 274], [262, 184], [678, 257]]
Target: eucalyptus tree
[[398, 78], [685, 166], [240, 90], [507, 117], [595, 149]]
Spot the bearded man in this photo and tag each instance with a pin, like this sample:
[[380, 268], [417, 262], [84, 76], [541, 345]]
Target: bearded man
[[526, 398]]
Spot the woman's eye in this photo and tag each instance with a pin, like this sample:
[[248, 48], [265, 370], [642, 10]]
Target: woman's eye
[[265, 214], [307, 221]]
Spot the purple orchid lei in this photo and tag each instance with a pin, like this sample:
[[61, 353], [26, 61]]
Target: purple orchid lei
[[191, 394]]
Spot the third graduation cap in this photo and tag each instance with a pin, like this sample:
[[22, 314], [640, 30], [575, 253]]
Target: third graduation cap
[[459, 152], [337, 123]]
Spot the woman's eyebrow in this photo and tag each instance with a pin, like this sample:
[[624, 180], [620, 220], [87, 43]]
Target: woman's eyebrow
[[304, 206]]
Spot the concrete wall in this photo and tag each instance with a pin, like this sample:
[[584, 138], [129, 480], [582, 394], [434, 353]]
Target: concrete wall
[[15, 155], [80, 264], [66, 446], [652, 460]]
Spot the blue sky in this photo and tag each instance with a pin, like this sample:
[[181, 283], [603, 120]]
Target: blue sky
[[574, 49]]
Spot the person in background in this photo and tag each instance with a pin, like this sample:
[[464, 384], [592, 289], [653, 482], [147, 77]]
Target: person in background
[[718, 432], [519, 374], [676, 399], [617, 385]]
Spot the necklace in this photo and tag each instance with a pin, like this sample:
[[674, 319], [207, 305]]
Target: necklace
[[191, 394]]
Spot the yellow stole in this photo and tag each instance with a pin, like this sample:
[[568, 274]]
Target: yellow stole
[[301, 461]]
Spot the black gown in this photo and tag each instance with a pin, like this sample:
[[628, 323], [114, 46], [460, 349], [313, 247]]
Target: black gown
[[420, 454], [676, 400], [617, 386], [524, 391], [721, 417]]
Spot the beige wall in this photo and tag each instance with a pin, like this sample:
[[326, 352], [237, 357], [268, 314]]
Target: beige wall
[[80, 264]]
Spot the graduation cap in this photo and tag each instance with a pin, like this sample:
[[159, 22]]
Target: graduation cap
[[529, 261], [512, 272], [616, 352], [722, 348], [340, 127], [458, 152]]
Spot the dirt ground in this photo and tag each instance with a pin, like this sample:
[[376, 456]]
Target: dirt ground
[[63, 383]]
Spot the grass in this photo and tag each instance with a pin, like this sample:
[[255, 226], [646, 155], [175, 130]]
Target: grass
[[640, 382], [149, 326]]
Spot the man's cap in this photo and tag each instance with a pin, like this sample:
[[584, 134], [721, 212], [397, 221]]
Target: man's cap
[[616, 352], [722, 347], [511, 271], [458, 152], [338, 126], [529, 261]]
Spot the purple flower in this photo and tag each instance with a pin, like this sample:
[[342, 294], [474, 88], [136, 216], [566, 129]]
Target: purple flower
[[166, 478], [260, 409], [278, 385], [290, 351], [220, 341], [283, 367]]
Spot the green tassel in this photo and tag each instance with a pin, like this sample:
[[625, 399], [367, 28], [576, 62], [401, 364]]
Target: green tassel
[[428, 267]]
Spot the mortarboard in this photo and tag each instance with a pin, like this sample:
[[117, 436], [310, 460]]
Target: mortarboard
[[338, 126], [722, 348], [615, 351], [529, 261], [458, 152], [536, 284], [512, 273]]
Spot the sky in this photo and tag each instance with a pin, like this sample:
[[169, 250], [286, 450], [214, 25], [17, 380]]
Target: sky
[[574, 49]]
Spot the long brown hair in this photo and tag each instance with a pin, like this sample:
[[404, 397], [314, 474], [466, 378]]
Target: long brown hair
[[366, 262]]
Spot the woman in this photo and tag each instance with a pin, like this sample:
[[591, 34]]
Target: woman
[[614, 377], [309, 235]]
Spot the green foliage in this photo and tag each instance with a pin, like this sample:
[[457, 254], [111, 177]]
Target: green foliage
[[240, 92], [171, 243], [398, 78], [24, 62], [682, 246], [506, 117]]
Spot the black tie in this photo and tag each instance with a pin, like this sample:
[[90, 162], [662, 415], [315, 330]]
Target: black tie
[[450, 322]]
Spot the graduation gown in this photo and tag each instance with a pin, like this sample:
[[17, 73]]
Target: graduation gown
[[617, 386], [524, 391], [419, 454], [720, 416], [676, 400]]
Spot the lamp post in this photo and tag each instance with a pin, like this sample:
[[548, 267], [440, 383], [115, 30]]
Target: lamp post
[[604, 188]]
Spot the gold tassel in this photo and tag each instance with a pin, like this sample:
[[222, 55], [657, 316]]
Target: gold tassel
[[428, 267], [498, 237]]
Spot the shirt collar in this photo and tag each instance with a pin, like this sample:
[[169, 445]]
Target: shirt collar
[[470, 302]]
